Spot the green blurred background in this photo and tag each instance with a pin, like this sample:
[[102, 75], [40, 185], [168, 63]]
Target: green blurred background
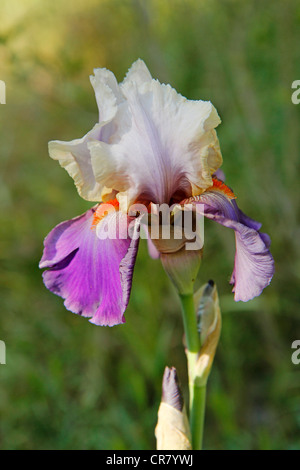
[[68, 384]]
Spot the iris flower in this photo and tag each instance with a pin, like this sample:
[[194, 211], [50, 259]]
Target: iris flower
[[150, 146]]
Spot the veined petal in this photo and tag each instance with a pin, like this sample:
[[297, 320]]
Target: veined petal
[[75, 156], [108, 93], [137, 74], [164, 142], [254, 264], [152, 250], [150, 144], [92, 273]]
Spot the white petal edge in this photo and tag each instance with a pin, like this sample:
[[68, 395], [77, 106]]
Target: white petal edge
[[161, 129], [74, 156], [138, 74]]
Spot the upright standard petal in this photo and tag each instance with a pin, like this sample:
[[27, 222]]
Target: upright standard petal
[[137, 74], [89, 269], [254, 264], [75, 156], [151, 143], [164, 143]]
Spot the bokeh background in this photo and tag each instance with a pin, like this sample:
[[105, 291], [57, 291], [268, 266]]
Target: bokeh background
[[68, 384]]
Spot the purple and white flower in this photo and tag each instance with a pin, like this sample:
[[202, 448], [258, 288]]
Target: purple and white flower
[[150, 146]]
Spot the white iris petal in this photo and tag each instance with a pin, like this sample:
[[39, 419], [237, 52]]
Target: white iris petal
[[150, 141]]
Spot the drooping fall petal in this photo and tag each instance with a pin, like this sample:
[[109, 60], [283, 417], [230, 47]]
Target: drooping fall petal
[[254, 264], [91, 271]]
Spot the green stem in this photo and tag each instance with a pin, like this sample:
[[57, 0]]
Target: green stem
[[196, 392], [190, 323], [197, 416]]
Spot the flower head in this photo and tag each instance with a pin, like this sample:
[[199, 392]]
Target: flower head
[[151, 146]]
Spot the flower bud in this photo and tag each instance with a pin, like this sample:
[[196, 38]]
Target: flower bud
[[172, 430], [209, 323]]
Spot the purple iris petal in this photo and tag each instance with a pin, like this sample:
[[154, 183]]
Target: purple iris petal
[[254, 264], [220, 174], [152, 250], [93, 275]]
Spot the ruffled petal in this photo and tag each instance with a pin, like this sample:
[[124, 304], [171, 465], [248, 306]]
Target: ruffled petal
[[90, 270], [254, 264], [75, 156], [163, 143], [108, 94], [150, 142], [137, 74]]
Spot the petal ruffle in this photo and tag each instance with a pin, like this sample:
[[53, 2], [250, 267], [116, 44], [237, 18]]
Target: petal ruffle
[[75, 156], [150, 142], [163, 143], [254, 264], [137, 74], [92, 273]]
